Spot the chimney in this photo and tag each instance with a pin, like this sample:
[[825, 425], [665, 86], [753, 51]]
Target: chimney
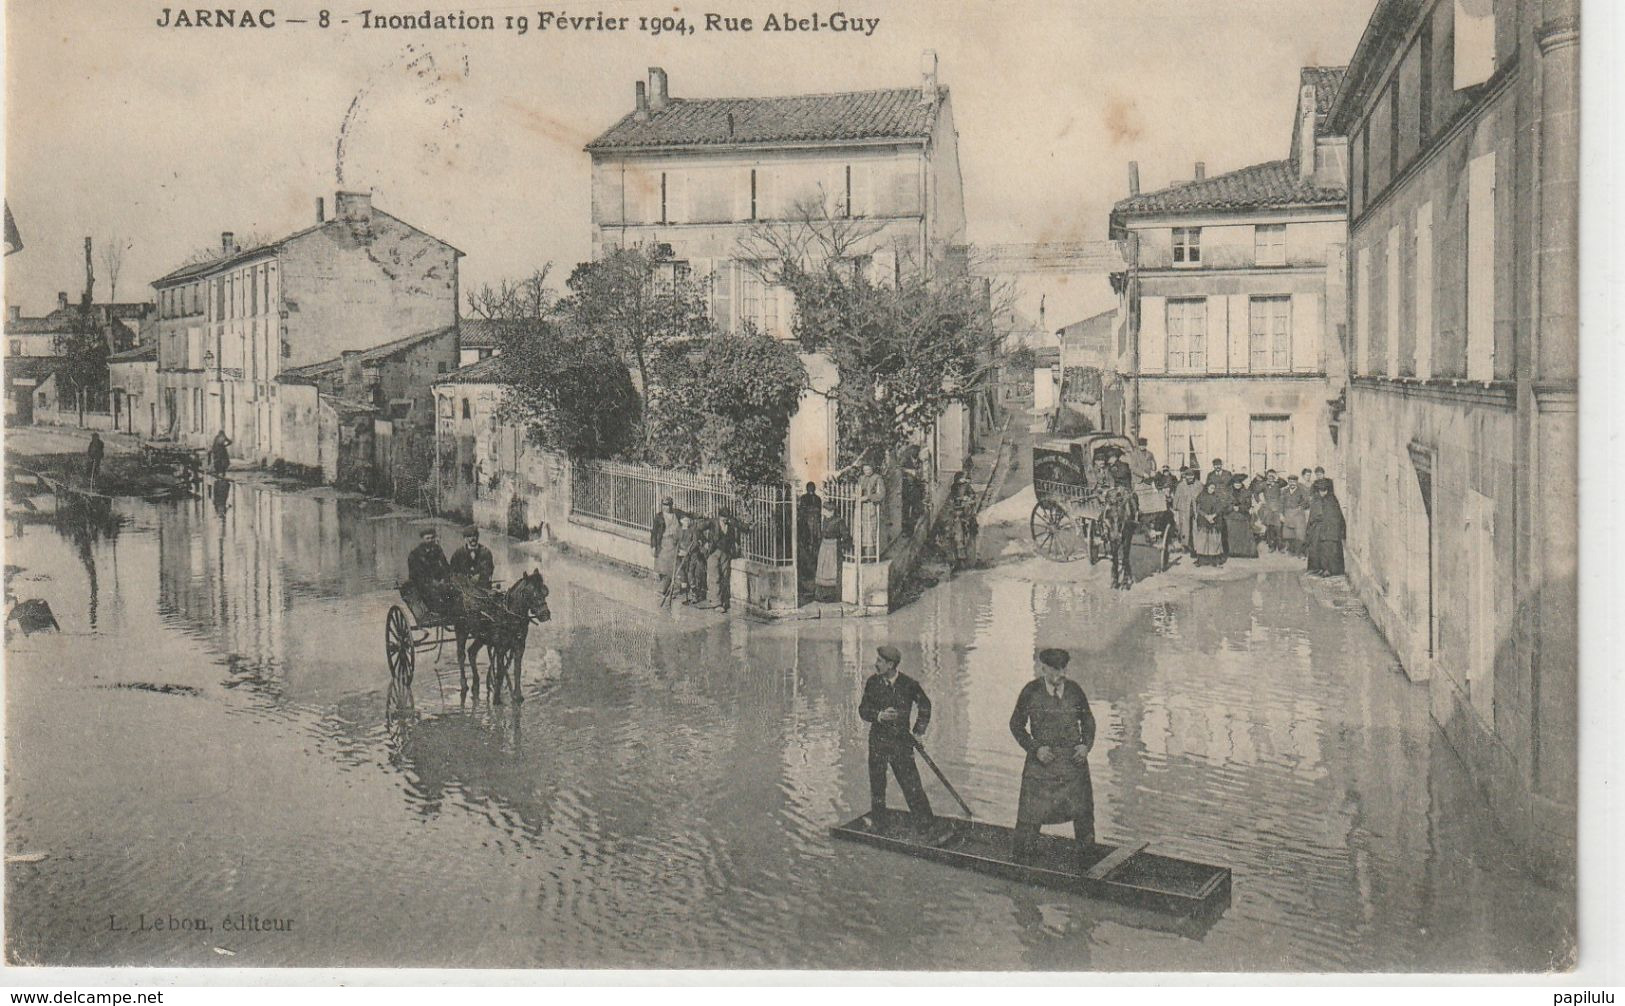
[[658, 98], [321, 210], [14, 312], [640, 106], [352, 206], [1133, 178], [351, 361], [1305, 153], [61, 301], [228, 243], [1201, 169], [928, 75]]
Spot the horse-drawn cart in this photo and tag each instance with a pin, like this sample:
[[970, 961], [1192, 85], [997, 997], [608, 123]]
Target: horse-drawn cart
[[496, 619], [173, 456], [403, 639], [1066, 521]]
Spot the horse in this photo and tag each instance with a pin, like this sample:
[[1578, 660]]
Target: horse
[[500, 623]]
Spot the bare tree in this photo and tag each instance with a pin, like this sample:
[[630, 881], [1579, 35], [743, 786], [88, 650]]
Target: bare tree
[[112, 257]]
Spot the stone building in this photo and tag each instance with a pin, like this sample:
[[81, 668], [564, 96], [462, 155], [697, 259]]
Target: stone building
[[691, 178], [30, 345], [1460, 435], [132, 381], [1232, 288], [229, 326]]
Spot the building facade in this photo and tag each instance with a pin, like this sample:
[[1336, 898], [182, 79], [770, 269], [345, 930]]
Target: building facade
[[132, 381], [30, 351], [1461, 433], [1233, 286], [228, 327], [692, 179]]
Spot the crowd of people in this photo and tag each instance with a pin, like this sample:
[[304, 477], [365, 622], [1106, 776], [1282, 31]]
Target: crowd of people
[[694, 556], [1227, 515]]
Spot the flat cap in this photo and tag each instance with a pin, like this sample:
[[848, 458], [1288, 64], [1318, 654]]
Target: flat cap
[[889, 654], [427, 532], [1054, 657]]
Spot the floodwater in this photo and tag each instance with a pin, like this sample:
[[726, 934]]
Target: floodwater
[[212, 738]]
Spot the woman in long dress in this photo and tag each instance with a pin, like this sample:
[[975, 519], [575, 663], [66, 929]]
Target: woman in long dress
[[1207, 535], [832, 532], [1238, 522], [1326, 532]]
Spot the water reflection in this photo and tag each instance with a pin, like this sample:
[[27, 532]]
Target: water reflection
[[663, 795]]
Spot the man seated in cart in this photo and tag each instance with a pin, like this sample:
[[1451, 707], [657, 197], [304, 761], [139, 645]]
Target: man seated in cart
[[472, 564], [428, 575]]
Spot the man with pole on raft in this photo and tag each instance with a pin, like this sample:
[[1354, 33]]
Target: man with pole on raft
[[889, 700], [1053, 724]]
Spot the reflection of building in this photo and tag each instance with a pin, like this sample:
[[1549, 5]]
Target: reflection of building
[[692, 177], [1461, 433], [1231, 282], [229, 326]]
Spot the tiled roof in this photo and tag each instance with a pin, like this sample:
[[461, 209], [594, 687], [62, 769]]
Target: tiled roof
[[138, 354], [186, 272], [35, 368], [482, 333], [1272, 185], [895, 114], [486, 371], [63, 318], [1326, 79], [312, 371]]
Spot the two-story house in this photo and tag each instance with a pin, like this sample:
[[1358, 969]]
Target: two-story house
[[30, 347], [229, 326], [1230, 286], [1462, 429], [690, 178]]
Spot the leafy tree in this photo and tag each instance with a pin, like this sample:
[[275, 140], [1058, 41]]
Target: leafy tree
[[907, 344], [563, 382], [81, 376], [568, 387], [725, 402], [640, 303]]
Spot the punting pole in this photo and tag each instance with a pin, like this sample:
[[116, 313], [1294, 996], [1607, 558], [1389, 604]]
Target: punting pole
[[942, 778]]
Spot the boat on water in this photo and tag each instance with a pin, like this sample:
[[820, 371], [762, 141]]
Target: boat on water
[[1126, 874]]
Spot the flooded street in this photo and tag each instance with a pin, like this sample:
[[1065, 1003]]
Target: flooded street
[[211, 737]]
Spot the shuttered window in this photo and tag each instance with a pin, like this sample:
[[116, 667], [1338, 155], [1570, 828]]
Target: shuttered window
[[1269, 334], [1187, 335]]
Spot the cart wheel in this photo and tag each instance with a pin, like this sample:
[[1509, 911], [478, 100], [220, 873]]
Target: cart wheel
[[1097, 541], [1167, 546], [1055, 534], [398, 646]]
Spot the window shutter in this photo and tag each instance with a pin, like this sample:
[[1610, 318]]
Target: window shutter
[[1239, 329], [1153, 335], [1424, 292], [863, 190], [1392, 297], [1306, 332], [1475, 42], [1481, 268], [742, 194], [722, 293], [1362, 312], [677, 207]]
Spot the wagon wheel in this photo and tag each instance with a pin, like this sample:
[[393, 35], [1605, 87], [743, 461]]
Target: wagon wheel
[[398, 646], [1096, 535], [1055, 533]]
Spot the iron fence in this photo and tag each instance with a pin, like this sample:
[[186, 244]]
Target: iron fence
[[627, 497]]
